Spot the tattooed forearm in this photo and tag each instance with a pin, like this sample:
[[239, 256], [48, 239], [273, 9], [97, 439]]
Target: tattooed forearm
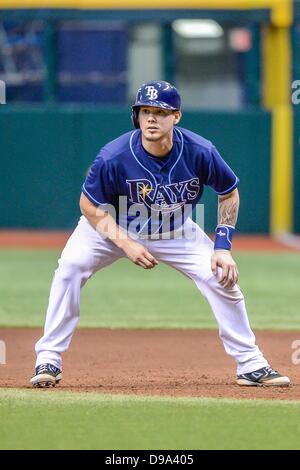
[[228, 208]]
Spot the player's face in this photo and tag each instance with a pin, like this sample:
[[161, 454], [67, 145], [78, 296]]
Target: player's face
[[156, 123]]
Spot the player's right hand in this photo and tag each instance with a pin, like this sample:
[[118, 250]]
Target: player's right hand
[[139, 255], [224, 260]]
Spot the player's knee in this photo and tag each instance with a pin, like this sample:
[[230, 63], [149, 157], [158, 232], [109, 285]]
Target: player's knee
[[233, 294], [68, 268]]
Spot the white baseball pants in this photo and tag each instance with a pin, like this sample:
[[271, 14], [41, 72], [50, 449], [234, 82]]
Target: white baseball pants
[[86, 252]]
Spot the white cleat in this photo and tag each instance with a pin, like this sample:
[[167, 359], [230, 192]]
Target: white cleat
[[46, 375], [265, 377]]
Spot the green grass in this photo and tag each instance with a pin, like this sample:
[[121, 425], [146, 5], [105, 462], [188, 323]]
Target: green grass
[[125, 296], [34, 419]]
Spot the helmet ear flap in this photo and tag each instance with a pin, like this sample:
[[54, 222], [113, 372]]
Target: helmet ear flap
[[135, 117]]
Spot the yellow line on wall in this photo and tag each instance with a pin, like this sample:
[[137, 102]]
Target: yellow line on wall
[[276, 95], [237, 4], [282, 170], [138, 3], [281, 9]]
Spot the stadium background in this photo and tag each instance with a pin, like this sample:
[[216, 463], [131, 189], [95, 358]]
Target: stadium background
[[71, 70], [79, 69]]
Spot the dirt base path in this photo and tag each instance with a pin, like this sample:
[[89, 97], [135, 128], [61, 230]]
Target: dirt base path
[[39, 239], [150, 362]]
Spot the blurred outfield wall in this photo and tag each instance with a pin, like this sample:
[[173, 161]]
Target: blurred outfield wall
[[45, 153]]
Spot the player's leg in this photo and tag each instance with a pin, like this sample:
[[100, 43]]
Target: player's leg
[[84, 254], [192, 256]]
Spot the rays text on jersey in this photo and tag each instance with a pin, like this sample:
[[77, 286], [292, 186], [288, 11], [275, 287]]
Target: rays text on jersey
[[166, 198]]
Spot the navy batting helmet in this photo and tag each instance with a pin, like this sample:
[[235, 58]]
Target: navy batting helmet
[[158, 94]]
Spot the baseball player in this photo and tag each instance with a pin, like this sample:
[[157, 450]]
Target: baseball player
[[136, 202]]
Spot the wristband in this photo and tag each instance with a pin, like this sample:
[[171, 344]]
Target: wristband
[[223, 239]]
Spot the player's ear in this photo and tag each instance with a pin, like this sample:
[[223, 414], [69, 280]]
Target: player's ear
[[177, 117]]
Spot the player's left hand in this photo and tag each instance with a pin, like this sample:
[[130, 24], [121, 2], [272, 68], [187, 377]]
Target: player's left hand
[[223, 259]]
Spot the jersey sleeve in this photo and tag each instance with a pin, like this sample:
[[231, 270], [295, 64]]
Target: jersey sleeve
[[99, 184], [219, 176]]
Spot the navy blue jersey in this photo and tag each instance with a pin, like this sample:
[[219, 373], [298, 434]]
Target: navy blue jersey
[[156, 191]]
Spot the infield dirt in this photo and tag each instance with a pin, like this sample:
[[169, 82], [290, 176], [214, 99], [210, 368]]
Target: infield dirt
[[150, 362]]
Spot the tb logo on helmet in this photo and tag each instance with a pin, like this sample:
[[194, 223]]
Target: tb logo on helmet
[[151, 92], [156, 93]]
